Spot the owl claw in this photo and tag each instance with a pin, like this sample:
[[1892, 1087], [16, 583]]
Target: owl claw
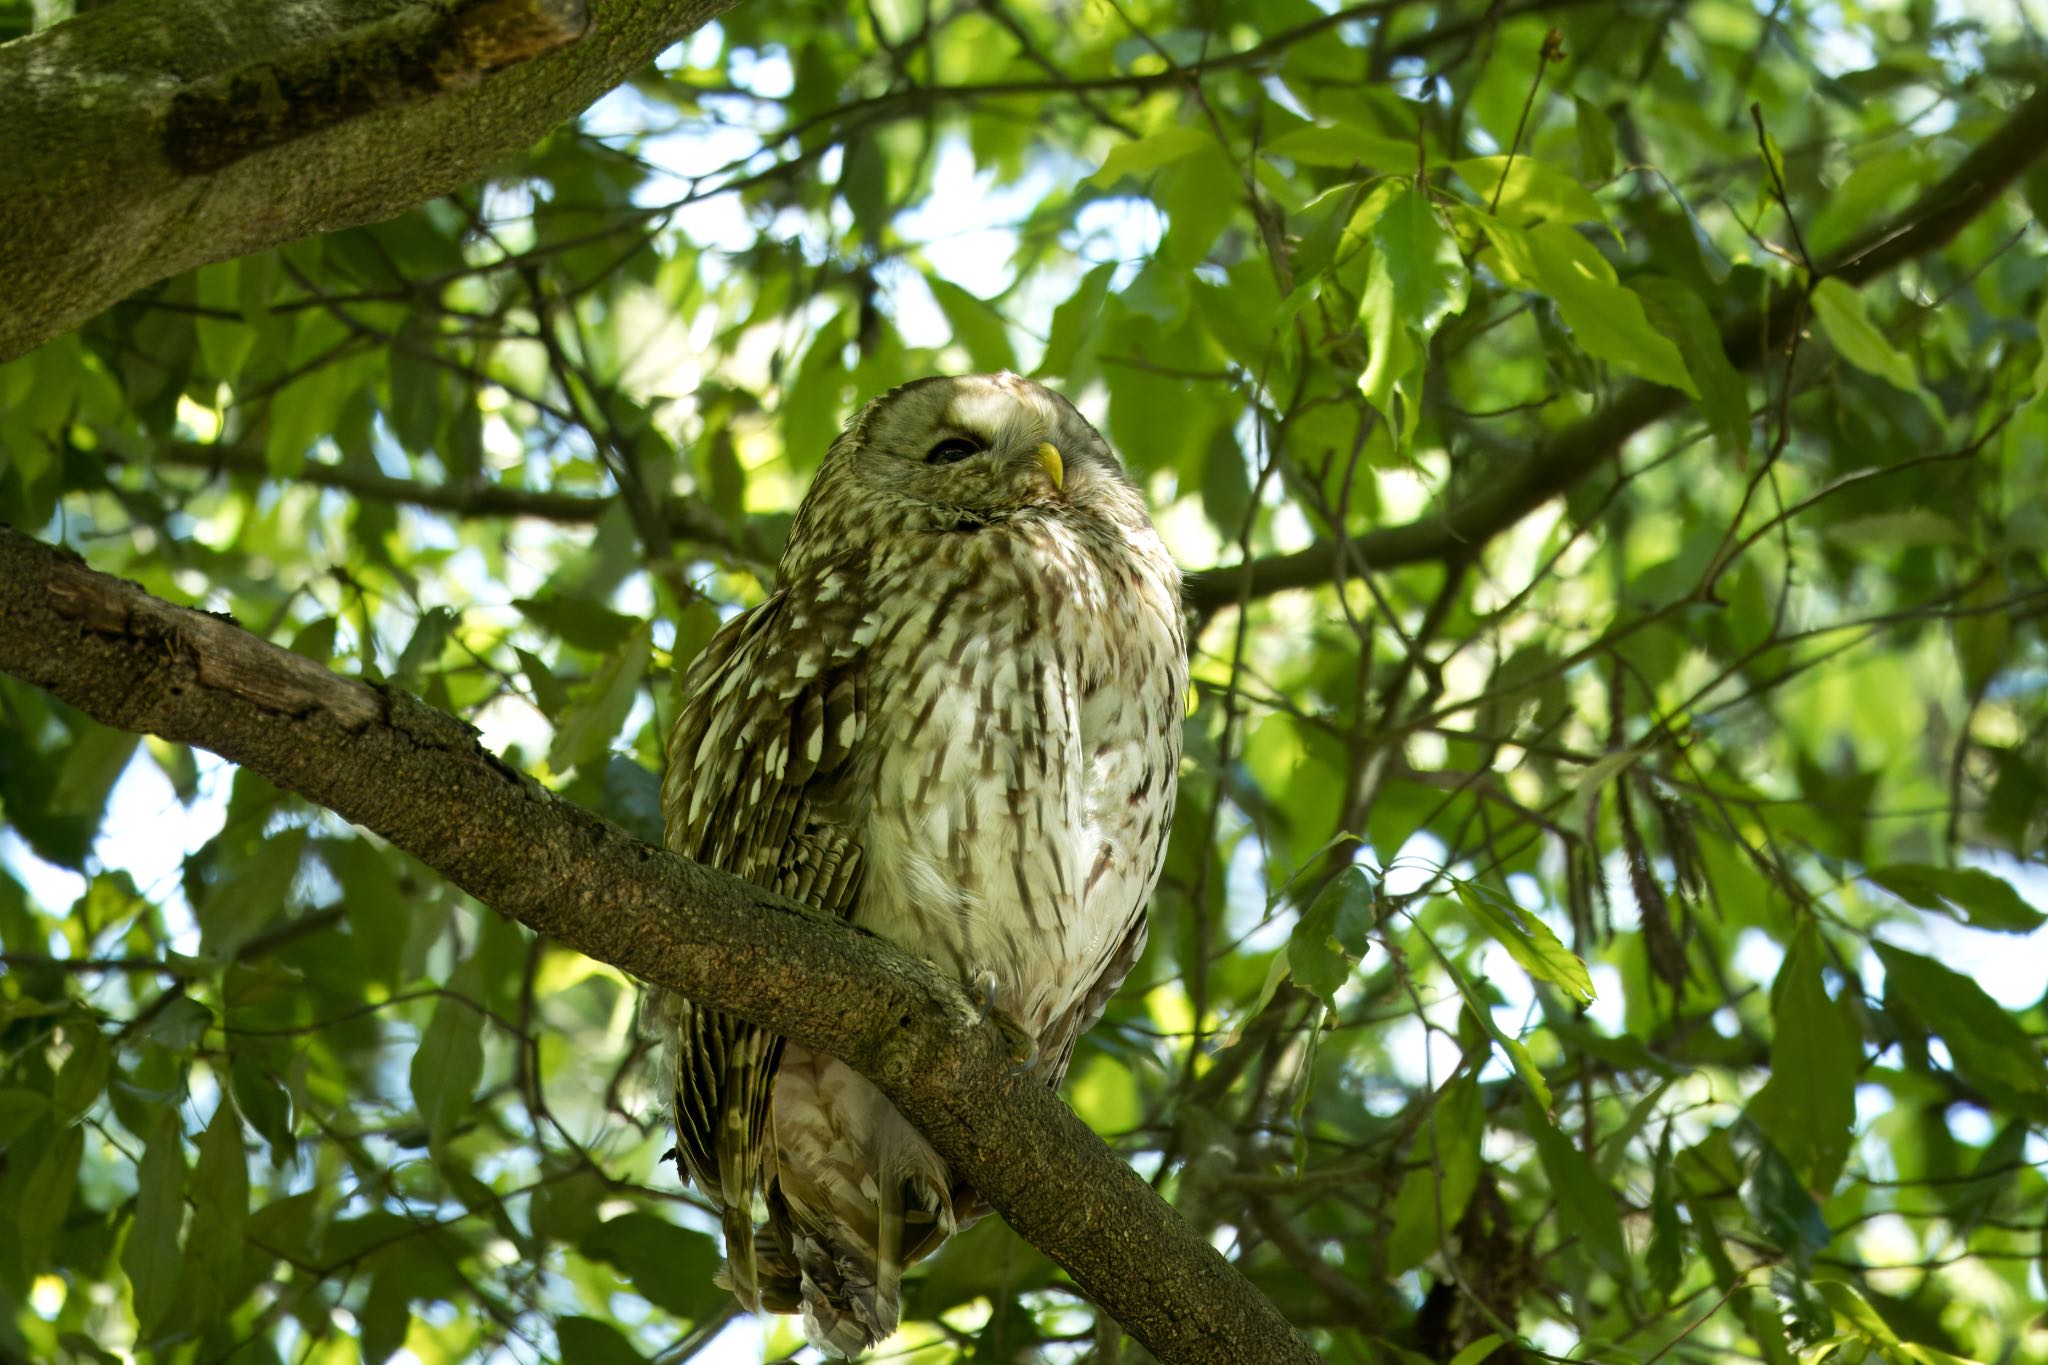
[[986, 979], [1023, 1047]]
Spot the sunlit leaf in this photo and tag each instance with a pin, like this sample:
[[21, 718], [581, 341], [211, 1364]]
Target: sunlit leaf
[[1809, 1102], [1481, 1349], [1969, 894], [1330, 937], [1343, 144], [1530, 942], [1844, 316], [1606, 317], [1530, 190], [1149, 153], [1987, 1044]]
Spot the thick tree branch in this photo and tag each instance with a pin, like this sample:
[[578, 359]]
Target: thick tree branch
[[151, 136], [1930, 221], [417, 777]]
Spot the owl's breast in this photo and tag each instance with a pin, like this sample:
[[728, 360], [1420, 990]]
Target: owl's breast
[[1025, 726]]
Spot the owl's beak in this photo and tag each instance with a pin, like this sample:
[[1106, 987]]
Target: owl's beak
[[1055, 468]]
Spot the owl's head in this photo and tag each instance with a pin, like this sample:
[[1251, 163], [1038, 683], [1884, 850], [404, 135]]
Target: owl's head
[[953, 453]]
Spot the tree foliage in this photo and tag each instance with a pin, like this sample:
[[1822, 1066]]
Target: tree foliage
[[1601, 916]]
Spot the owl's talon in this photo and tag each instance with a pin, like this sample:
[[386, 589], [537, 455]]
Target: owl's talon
[[1022, 1046], [986, 979]]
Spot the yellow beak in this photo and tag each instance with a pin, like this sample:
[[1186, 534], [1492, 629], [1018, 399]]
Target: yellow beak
[[1055, 469]]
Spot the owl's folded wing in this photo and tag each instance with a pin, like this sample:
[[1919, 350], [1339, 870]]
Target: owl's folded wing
[[757, 785]]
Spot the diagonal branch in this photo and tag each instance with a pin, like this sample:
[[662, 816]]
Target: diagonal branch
[[417, 777], [1929, 222]]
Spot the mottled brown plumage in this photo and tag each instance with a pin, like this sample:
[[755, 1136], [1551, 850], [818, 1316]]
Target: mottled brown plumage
[[956, 722]]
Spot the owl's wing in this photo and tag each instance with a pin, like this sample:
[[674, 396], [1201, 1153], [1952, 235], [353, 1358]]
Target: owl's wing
[[1067, 1028], [758, 763]]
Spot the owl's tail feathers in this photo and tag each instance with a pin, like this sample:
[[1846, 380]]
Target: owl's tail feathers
[[852, 1289], [741, 1272]]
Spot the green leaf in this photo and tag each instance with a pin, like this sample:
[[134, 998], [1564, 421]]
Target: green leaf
[[864, 184], [1677, 312], [1391, 356], [1782, 1209], [1149, 154], [1845, 318], [1517, 1052], [1856, 1315], [1534, 190], [1596, 140], [1330, 937], [84, 1073], [579, 621], [1987, 1045], [1073, 322], [2041, 337], [151, 1258], [1414, 281], [1529, 942], [423, 650], [587, 1341], [1808, 1106], [251, 895], [1424, 270], [386, 1310], [598, 708], [548, 691], [1586, 1201], [220, 1199], [307, 409], [1448, 1144], [1343, 144], [19, 1110], [450, 1058], [1479, 1350], [46, 1198], [1969, 894], [264, 1103], [976, 325], [670, 1266], [224, 342], [1665, 1258], [1607, 318], [1983, 631]]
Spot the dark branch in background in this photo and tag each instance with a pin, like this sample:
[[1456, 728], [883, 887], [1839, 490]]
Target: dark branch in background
[[144, 139], [687, 520], [417, 777], [1930, 221]]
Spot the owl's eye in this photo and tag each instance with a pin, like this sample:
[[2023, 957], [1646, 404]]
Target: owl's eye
[[952, 450]]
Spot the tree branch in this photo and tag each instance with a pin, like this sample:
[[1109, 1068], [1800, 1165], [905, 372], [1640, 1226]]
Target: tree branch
[[152, 136], [1929, 222], [418, 777], [687, 519]]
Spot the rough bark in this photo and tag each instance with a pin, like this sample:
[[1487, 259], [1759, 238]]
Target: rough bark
[[151, 136], [418, 777]]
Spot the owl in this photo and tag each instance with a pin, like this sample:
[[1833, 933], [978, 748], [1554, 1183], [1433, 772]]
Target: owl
[[956, 722]]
